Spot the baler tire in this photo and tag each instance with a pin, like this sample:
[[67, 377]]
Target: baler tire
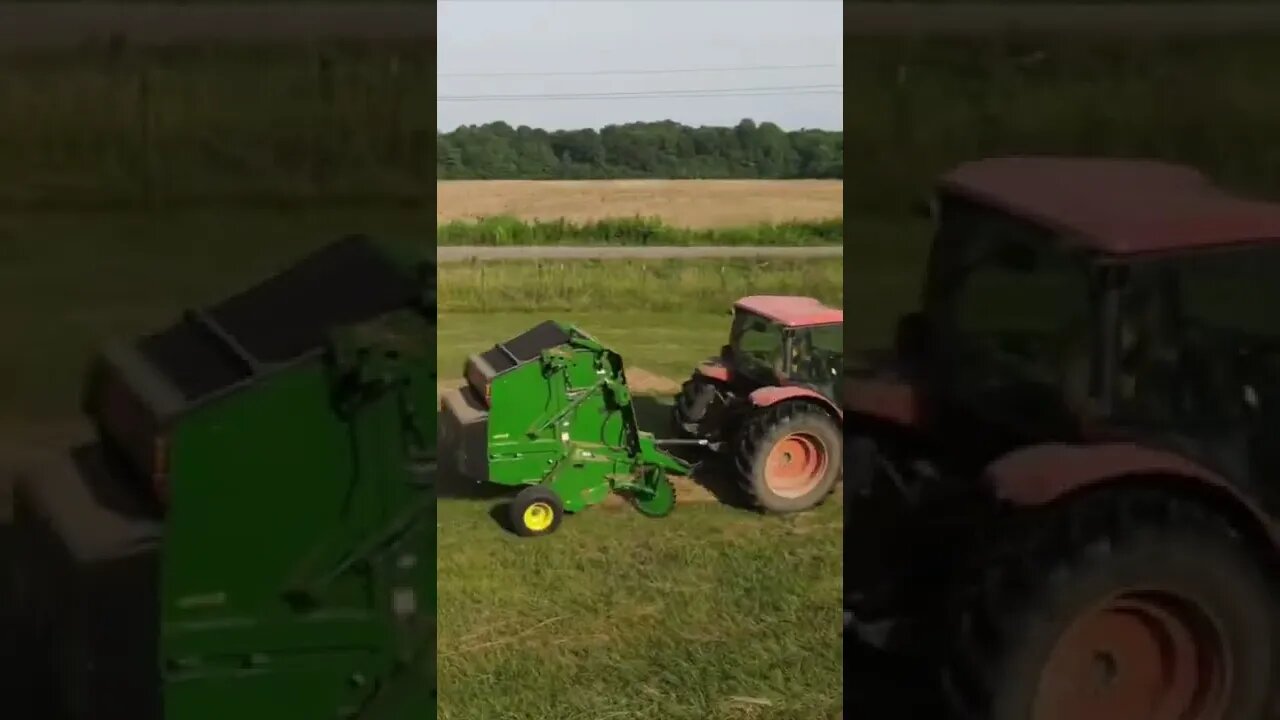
[[763, 432], [1126, 564], [528, 499]]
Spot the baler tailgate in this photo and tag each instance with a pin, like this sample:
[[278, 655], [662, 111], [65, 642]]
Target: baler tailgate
[[280, 320], [526, 346], [503, 357], [139, 389]]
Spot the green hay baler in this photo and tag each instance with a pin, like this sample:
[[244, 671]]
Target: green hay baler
[[550, 411], [251, 532]]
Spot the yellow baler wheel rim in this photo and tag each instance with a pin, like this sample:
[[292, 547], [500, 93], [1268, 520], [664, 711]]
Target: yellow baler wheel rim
[[539, 516]]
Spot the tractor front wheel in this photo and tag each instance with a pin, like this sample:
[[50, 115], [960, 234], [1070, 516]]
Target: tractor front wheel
[[789, 456], [534, 511], [1123, 606], [698, 408]]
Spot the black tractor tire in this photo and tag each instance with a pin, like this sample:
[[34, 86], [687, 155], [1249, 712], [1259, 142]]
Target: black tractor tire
[[546, 501], [1091, 601], [801, 433], [692, 406]]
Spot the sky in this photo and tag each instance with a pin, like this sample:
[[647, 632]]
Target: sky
[[556, 48]]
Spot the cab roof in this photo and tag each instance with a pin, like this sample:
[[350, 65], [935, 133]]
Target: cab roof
[[1117, 206], [791, 311]]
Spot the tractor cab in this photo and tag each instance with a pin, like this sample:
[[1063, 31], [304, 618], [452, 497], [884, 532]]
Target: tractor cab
[[1077, 435], [785, 341], [1029, 333]]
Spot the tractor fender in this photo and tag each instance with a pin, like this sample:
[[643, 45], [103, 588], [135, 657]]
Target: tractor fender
[[1041, 474], [772, 395], [713, 369], [889, 400]]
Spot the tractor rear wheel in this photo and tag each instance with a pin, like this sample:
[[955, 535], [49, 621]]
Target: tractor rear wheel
[[789, 456], [1124, 606]]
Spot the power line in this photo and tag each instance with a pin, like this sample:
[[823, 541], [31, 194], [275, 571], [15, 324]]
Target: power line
[[830, 89], [538, 98], [671, 71]]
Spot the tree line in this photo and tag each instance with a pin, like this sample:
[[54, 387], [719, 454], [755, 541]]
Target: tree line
[[638, 150]]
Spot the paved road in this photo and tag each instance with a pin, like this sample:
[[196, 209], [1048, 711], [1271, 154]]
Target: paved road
[[457, 253]]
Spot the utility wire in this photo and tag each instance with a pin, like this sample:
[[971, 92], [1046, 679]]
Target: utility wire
[[829, 89], [672, 71]]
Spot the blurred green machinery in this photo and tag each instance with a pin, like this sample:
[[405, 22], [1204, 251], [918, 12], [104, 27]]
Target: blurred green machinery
[[550, 411], [251, 533]]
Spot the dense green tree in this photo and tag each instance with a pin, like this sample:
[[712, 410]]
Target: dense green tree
[[639, 150]]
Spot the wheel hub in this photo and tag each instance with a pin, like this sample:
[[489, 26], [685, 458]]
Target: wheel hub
[[538, 516], [795, 465], [1140, 656]]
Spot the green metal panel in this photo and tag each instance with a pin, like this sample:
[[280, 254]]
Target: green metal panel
[[293, 687], [566, 420], [299, 561]]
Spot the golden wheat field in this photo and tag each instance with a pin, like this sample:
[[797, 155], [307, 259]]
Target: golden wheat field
[[685, 203]]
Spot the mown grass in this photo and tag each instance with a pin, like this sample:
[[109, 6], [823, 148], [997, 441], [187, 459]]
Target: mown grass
[[630, 285], [708, 614], [712, 612], [634, 231]]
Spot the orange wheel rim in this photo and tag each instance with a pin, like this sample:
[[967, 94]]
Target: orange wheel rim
[[1139, 656], [796, 465]]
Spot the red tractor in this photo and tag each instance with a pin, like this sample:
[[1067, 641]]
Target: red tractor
[[768, 400], [1067, 468]]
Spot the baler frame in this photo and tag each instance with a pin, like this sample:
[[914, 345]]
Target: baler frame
[[547, 455]]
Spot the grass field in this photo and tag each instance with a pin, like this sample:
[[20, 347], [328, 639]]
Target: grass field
[[507, 230], [713, 612], [69, 281], [707, 614], [623, 285]]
